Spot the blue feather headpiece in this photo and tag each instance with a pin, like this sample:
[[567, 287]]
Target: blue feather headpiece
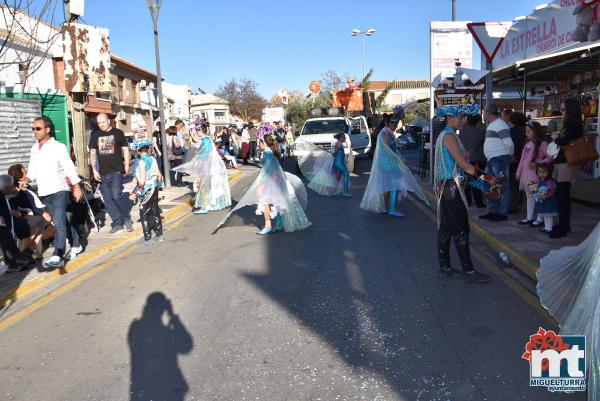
[[457, 110], [142, 143]]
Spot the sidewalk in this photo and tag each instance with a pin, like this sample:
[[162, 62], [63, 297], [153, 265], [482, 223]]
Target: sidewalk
[[526, 245], [174, 203]]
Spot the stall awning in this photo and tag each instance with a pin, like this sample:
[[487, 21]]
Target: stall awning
[[552, 67]]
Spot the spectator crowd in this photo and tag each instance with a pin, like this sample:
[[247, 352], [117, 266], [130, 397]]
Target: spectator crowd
[[529, 163], [46, 203]]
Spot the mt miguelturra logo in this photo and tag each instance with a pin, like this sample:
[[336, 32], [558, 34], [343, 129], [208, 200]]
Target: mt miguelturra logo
[[556, 362]]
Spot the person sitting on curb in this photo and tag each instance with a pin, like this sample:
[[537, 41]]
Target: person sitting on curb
[[23, 218], [13, 258]]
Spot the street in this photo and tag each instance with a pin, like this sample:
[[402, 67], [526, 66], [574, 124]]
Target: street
[[352, 308]]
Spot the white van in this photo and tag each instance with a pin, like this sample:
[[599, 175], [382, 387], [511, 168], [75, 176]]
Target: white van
[[320, 131]]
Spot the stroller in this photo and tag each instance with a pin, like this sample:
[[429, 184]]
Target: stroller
[[225, 156], [89, 214]]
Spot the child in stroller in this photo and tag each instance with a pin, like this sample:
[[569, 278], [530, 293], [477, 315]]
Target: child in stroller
[[230, 161]]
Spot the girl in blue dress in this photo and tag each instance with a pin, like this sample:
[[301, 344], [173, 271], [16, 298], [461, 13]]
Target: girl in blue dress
[[211, 174], [339, 164], [326, 172], [390, 179], [280, 197]]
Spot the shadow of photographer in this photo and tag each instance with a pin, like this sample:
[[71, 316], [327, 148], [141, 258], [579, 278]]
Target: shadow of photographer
[[155, 342]]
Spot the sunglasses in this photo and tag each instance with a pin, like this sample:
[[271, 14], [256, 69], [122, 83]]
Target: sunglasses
[[37, 128]]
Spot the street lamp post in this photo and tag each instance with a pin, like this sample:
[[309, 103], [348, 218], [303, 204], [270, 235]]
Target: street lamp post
[[154, 6], [357, 32]]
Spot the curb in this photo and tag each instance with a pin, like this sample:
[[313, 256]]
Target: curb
[[87, 258], [521, 261]]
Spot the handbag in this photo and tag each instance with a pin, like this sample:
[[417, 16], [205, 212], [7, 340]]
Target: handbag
[[581, 150]]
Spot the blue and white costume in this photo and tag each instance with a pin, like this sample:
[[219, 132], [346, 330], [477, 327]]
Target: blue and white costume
[[388, 174], [284, 192], [568, 287], [318, 166], [213, 184]]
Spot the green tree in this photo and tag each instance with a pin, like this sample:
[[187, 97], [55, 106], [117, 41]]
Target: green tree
[[298, 108], [243, 97]]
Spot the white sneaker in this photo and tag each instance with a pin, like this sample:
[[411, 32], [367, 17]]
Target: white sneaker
[[54, 262], [74, 252]]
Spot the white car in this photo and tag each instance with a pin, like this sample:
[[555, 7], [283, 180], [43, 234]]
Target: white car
[[320, 131]]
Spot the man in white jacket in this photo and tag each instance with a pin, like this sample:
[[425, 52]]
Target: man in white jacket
[[498, 149]]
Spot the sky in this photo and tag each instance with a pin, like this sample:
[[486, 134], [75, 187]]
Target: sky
[[284, 43]]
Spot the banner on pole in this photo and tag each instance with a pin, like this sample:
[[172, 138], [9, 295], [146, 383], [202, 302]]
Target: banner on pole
[[450, 41]]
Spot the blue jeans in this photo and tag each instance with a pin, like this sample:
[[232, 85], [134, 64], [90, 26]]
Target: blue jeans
[[111, 188], [494, 167], [56, 204]]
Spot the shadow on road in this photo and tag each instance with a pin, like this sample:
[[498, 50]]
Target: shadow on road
[[155, 341], [368, 286]]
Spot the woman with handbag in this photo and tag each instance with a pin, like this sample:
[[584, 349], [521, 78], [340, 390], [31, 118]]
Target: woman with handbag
[[565, 173]]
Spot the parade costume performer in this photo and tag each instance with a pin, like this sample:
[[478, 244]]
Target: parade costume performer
[[211, 174], [279, 196], [149, 180], [449, 179], [390, 178], [327, 173], [568, 287]]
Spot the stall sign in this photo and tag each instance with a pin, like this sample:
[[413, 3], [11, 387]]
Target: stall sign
[[545, 31]]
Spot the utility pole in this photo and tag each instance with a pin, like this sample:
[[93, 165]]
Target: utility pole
[[154, 6], [453, 10]]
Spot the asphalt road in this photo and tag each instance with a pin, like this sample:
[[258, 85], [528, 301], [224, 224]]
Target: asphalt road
[[349, 309]]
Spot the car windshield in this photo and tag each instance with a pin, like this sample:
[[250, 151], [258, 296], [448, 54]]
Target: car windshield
[[324, 127]]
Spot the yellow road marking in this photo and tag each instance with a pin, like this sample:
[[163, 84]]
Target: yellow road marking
[[525, 294], [172, 217]]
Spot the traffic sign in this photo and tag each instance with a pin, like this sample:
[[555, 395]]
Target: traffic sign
[[489, 36]]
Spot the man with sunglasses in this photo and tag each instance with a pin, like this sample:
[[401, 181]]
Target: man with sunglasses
[[50, 166]]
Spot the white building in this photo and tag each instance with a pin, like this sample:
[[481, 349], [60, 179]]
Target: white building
[[213, 108], [178, 98], [26, 62], [402, 92]]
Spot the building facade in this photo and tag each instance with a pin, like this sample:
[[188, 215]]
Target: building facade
[[28, 58], [214, 109], [402, 91]]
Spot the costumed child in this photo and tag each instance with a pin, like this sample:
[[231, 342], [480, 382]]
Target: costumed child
[[326, 172], [341, 170], [280, 197], [211, 176], [568, 284], [390, 179], [543, 192], [451, 165], [149, 180], [534, 152]]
